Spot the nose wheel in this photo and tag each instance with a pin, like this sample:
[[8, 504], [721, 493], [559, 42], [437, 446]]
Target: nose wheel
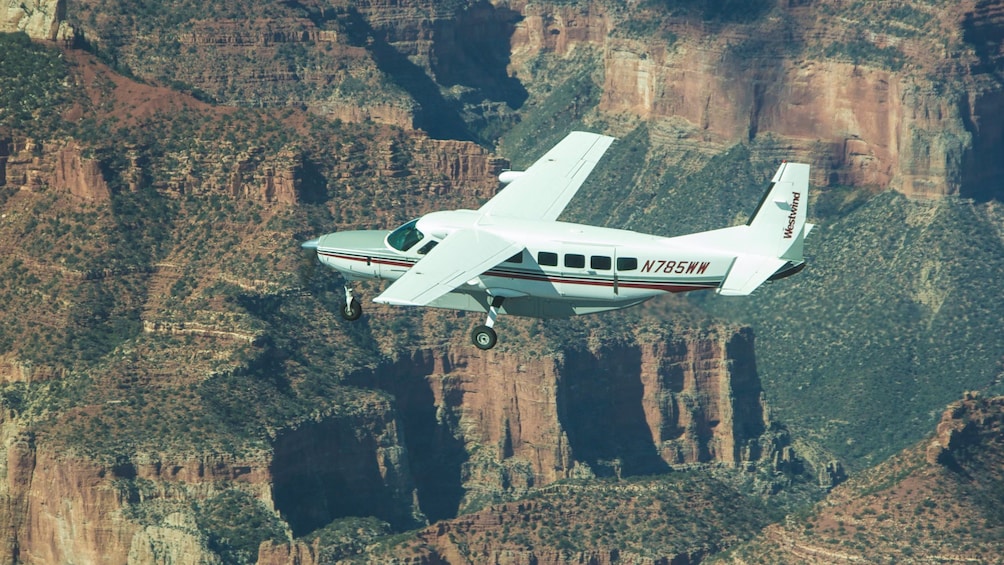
[[351, 310], [484, 337]]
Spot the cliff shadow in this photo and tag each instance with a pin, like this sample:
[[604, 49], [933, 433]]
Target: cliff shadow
[[982, 170], [436, 450], [474, 49], [331, 469], [747, 390], [440, 118], [600, 407]]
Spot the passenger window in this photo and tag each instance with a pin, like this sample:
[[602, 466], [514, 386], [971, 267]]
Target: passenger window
[[599, 262], [517, 258], [547, 259], [575, 260], [627, 263], [428, 247]]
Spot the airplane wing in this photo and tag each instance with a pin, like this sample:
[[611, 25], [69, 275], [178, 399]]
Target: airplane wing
[[543, 190], [461, 256]]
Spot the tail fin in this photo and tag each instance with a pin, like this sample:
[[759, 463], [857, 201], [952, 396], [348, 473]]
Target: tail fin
[[774, 236], [776, 228]]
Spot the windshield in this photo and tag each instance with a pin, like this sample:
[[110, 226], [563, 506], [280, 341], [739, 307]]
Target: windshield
[[405, 237]]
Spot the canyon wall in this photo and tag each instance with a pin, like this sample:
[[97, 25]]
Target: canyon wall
[[500, 423], [912, 107], [922, 126], [285, 178], [58, 507], [464, 428], [484, 427]]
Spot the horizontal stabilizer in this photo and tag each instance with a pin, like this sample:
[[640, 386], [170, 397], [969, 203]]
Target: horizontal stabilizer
[[747, 273]]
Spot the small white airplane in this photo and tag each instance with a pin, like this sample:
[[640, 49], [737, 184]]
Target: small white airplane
[[511, 256]]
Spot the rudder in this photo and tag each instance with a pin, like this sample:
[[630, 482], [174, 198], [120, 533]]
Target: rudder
[[777, 226]]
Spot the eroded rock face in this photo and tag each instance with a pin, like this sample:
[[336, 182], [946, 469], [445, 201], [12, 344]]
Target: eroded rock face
[[344, 466], [61, 507], [940, 497], [497, 423], [40, 19], [965, 423], [859, 124], [463, 427], [79, 175], [62, 166]]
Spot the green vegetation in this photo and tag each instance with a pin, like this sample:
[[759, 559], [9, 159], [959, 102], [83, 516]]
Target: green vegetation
[[346, 537], [644, 518], [552, 114], [863, 52], [906, 20], [900, 320], [33, 88], [236, 524], [727, 11]]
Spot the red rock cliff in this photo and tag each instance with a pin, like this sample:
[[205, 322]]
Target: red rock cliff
[[498, 423], [60, 507], [869, 121]]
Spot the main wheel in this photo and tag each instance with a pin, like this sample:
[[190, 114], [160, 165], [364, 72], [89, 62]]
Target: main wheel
[[352, 310], [484, 337]]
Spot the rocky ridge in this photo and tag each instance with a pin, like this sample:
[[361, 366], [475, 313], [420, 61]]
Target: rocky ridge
[[938, 501], [867, 107]]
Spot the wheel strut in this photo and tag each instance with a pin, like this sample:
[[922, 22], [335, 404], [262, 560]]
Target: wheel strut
[[352, 310], [484, 337]]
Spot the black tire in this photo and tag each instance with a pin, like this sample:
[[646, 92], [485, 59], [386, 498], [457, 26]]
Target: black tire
[[484, 337], [352, 310]]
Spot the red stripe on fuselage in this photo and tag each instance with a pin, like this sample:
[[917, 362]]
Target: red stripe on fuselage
[[645, 285]]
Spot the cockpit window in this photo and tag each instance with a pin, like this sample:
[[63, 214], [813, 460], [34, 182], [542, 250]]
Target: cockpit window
[[405, 237]]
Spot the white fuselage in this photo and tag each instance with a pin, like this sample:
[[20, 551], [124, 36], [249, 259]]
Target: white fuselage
[[565, 268]]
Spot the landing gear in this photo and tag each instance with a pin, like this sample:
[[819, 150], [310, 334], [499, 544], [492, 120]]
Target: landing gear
[[351, 310], [484, 337]]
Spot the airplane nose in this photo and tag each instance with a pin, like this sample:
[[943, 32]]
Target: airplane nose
[[312, 244]]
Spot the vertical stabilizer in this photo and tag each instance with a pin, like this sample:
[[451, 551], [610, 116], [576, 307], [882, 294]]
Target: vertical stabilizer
[[776, 228], [771, 242]]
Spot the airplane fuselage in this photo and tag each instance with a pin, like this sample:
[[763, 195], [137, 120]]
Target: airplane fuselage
[[565, 268]]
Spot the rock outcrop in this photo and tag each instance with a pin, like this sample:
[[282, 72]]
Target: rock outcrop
[[33, 165], [40, 19], [491, 425], [965, 424], [60, 507], [79, 175], [938, 501]]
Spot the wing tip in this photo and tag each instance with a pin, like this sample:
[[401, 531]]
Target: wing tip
[[395, 301]]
